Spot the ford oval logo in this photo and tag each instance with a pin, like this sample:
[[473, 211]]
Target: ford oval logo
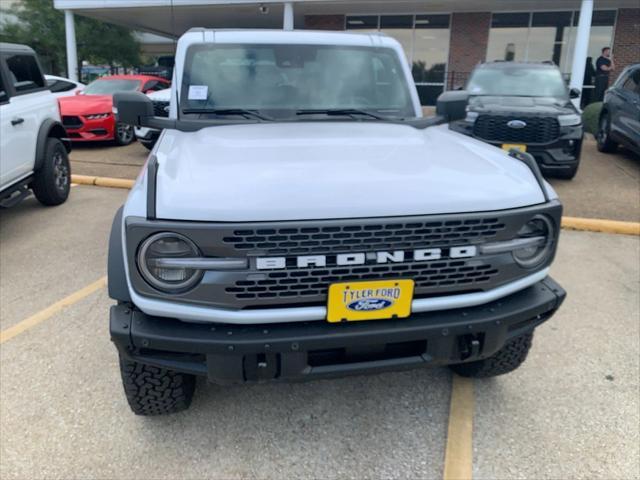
[[517, 124], [369, 304]]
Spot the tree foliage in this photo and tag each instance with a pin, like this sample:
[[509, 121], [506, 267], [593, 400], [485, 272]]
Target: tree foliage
[[41, 26]]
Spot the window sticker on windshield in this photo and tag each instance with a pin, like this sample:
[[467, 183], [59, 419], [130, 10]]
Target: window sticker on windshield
[[198, 92]]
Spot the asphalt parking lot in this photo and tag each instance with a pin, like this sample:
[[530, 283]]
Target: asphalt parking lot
[[606, 186], [571, 411]]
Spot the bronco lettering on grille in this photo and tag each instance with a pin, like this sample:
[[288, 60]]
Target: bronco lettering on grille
[[361, 258]]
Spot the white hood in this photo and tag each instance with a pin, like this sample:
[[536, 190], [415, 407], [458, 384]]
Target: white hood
[[324, 170]]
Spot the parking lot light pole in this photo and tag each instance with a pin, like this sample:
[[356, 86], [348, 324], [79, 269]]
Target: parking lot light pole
[[72, 52], [287, 20], [582, 46]]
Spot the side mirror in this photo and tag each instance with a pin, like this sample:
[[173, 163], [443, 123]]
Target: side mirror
[[131, 108], [78, 92], [452, 105], [574, 93]]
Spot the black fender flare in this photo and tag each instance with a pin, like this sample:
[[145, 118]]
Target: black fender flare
[[116, 275], [49, 129]]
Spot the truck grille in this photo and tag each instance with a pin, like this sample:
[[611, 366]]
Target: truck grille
[[296, 286], [159, 108], [494, 128], [72, 121], [315, 282], [375, 236]]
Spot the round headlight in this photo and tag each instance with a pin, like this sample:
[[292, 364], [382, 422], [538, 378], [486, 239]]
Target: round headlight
[[159, 262], [541, 233]]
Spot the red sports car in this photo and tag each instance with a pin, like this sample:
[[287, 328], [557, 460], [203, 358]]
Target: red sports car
[[88, 116]]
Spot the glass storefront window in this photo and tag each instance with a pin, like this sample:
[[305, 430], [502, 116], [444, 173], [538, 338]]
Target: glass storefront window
[[545, 36], [425, 40], [363, 22], [601, 35], [399, 27], [431, 48], [549, 36], [508, 37]]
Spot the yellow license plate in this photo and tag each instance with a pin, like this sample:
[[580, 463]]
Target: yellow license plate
[[517, 146], [372, 300]]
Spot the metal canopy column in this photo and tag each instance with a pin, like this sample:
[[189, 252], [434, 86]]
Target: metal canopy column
[[72, 51], [581, 48], [287, 21]]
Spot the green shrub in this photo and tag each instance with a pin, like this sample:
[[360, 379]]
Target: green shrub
[[590, 116]]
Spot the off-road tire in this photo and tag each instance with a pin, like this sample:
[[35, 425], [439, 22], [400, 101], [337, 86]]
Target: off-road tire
[[155, 391], [123, 134], [603, 136], [505, 360], [52, 181]]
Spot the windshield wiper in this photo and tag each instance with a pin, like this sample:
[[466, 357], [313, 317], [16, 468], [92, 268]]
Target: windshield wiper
[[228, 111], [349, 112]]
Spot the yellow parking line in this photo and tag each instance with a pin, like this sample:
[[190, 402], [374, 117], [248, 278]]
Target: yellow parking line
[[601, 225], [458, 455], [103, 181], [42, 315]]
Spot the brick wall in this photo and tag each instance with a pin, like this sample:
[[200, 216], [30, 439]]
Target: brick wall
[[468, 46], [324, 22], [626, 39]]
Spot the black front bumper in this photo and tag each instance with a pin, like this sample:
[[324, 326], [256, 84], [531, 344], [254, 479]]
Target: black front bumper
[[561, 155], [294, 351], [557, 156]]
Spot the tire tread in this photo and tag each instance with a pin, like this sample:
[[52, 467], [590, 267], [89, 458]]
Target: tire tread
[[155, 391], [42, 185], [506, 360]]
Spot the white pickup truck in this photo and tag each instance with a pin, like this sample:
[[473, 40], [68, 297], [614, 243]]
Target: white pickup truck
[[298, 218], [33, 146]]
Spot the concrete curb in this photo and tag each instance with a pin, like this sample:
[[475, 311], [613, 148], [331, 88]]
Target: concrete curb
[[601, 225], [569, 223], [102, 181]]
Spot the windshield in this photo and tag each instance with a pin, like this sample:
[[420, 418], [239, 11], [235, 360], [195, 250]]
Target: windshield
[[297, 78], [109, 87], [517, 81]]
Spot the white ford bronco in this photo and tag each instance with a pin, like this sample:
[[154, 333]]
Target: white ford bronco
[[33, 146], [298, 218]]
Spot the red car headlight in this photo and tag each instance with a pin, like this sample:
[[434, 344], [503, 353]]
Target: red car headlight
[[97, 116]]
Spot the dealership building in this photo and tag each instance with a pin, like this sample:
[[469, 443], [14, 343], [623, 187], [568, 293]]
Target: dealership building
[[443, 39]]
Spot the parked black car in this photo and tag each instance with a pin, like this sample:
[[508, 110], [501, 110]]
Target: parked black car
[[526, 106], [620, 116]]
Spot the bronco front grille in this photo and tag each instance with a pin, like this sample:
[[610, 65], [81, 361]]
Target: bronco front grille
[[428, 277], [252, 287], [359, 237], [494, 128]]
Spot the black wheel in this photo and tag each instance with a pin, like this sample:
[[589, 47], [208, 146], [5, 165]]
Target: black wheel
[[155, 391], [505, 360], [124, 134], [52, 181], [603, 137]]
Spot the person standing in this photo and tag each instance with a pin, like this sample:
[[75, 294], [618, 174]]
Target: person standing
[[604, 65], [589, 73]]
